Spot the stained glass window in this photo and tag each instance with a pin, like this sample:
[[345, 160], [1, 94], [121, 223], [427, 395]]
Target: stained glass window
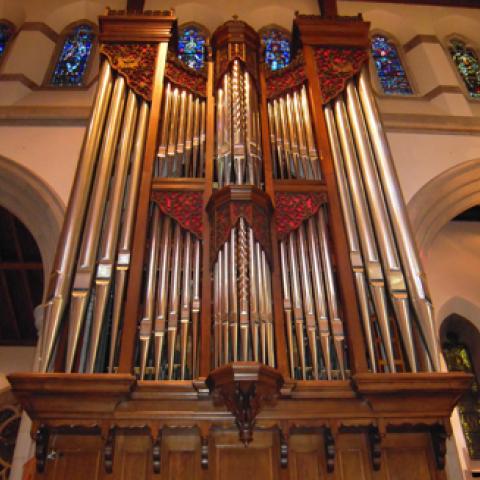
[[391, 74], [277, 48], [458, 359], [191, 47], [73, 59], [5, 34], [467, 64]]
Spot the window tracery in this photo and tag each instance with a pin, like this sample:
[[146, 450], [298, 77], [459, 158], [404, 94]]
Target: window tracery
[[467, 64], [191, 46], [390, 71], [276, 43], [458, 359], [74, 55]]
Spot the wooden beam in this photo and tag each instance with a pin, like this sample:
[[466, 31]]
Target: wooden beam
[[21, 266], [437, 3], [135, 6], [328, 8]]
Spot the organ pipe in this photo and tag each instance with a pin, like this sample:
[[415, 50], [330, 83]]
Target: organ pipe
[[72, 227]]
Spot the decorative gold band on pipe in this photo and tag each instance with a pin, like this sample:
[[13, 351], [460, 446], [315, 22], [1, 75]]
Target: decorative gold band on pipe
[[73, 223]]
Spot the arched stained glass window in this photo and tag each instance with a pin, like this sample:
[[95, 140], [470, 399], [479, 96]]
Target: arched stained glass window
[[6, 32], [277, 47], [191, 46], [458, 359], [467, 65], [73, 58], [391, 74]]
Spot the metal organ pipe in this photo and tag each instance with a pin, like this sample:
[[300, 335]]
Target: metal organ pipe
[[306, 259], [173, 291], [74, 218], [414, 274]]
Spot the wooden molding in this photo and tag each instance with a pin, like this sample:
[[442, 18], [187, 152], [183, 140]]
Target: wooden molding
[[136, 28], [339, 32], [436, 3]]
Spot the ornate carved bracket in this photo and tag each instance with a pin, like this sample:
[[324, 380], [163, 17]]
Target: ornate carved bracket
[[244, 388], [227, 205], [109, 451], [439, 441], [283, 450], [204, 452], [330, 449], [41, 446], [375, 447], [156, 453]]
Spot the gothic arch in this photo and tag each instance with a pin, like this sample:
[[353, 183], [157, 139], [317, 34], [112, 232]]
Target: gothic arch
[[441, 199], [31, 200]]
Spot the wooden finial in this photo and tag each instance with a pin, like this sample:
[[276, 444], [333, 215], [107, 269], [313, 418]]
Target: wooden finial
[[135, 6]]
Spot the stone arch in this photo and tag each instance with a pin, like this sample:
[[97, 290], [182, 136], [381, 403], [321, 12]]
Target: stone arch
[[31, 200], [441, 199]]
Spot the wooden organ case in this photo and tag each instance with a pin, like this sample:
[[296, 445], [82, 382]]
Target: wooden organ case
[[236, 291]]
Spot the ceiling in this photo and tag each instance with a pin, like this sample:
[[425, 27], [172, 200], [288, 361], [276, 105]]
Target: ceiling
[[21, 281]]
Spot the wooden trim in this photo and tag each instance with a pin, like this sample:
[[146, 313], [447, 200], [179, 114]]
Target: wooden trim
[[354, 333], [205, 330], [178, 184], [299, 186], [136, 28], [132, 305], [435, 3], [418, 40], [42, 28], [21, 78]]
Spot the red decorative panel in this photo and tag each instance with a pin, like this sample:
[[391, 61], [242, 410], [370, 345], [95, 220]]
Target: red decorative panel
[[335, 66], [135, 62], [292, 209], [184, 207], [184, 77], [286, 79]]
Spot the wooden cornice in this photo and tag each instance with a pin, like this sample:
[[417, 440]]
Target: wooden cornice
[[339, 32], [436, 3], [123, 28], [398, 399]]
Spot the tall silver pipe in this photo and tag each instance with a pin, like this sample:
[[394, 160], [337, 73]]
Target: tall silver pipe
[[254, 298], [124, 246], [356, 259], [394, 274], [308, 306], [162, 295], [287, 306], [195, 303], [408, 252], [367, 239], [233, 311], [162, 148], [106, 257], [72, 226], [149, 301], [334, 314], [185, 305], [86, 262], [243, 287]]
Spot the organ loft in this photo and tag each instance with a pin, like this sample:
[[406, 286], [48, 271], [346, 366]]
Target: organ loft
[[236, 291]]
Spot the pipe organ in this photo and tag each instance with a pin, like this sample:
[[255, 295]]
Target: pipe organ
[[236, 269]]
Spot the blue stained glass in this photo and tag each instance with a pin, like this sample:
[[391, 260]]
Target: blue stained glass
[[72, 62], [390, 71], [191, 47], [5, 34], [277, 49], [467, 65]]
